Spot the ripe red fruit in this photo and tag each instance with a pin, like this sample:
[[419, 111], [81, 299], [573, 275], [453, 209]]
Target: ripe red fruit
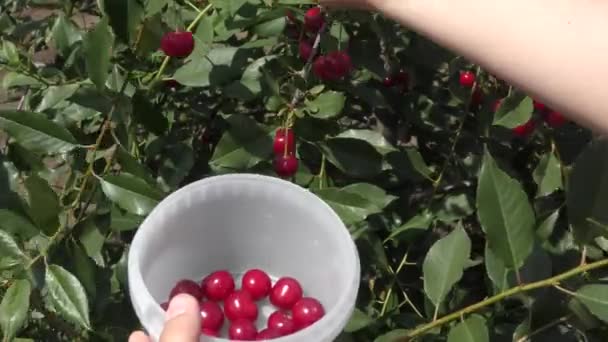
[[496, 105], [212, 317], [281, 322], [476, 97], [187, 286], [467, 79], [257, 283], [242, 330], [267, 334], [240, 305], [333, 66], [539, 106], [164, 305], [305, 49], [307, 311], [285, 293], [284, 137], [218, 285], [286, 166], [403, 78], [313, 19], [210, 332], [525, 130], [177, 44], [388, 81], [555, 119]]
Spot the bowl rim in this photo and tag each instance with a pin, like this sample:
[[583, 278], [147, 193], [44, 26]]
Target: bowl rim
[[328, 327]]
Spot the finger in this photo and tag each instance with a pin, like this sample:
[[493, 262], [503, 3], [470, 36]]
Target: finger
[[183, 320], [139, 336]]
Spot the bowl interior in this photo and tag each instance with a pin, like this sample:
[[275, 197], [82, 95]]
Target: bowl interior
[[243, 223]]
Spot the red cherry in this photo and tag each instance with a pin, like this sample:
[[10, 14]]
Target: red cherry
[[187, 286], [476, 97], [313, 19], [210, 332], [555, 119], [285, 293], [403, 78], [171, 83], [177, 44], [267, 334], [539, 106], [305, 49], [496, 105], [286, 166], [467, 79], [240, 305], [281, 137], [320, 68], [242, 330], [218, 285], [291, 17], [525, 130], [388, 81], [165, 305], [307, 311], [212, 317], [341, 63], [281, 322], [257, 283]]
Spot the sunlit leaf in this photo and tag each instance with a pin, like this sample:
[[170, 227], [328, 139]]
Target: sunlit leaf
[[14, 307], [131, 193], [35, 132], [472, 329], [67, 296]]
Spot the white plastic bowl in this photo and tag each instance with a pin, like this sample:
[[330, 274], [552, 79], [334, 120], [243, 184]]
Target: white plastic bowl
[[242, 221]]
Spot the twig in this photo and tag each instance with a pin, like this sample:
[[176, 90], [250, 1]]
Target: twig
[[553, 281], [545, 327], [298, 95]]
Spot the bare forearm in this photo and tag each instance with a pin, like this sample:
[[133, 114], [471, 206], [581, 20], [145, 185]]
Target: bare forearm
[[555, 50]]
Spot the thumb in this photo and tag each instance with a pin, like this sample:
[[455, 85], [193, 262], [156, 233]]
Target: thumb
[[182, 320]]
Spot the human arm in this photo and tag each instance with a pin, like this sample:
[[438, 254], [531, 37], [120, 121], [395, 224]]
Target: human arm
[[552, 49]]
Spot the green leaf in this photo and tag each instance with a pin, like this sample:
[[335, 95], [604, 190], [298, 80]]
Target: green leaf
[[147, 114], [35, 132], [67, 296], [14, 307], [372, 137], [327, 105], [219, 67], [10, 53], [271, 28], [454, 207], [587, 196], [43, 203], [358, 321], [505, 214], [372, 193], [595, 298], [16, 224], [444, 264], [231, 6], [548, 175], [55, 94], [178, 161], [123, 221], [14, 79], [250, 85], [131, 193], [496, 269], [413, 226], [353, 156], [473, 329], [514, 110], [155, 6], [130, 165], [151, 34], [124, 17], [242, 146], [92, 240], [64, 34], [98, 46], [392, 336], [351, 207], [9, 247]]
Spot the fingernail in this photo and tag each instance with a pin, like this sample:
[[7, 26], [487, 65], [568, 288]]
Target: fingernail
[[177, 306]]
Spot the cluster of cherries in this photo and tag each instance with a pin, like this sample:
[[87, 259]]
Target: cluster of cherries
[[295, 312], [284, 148], [552, 118], [330, 67]]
